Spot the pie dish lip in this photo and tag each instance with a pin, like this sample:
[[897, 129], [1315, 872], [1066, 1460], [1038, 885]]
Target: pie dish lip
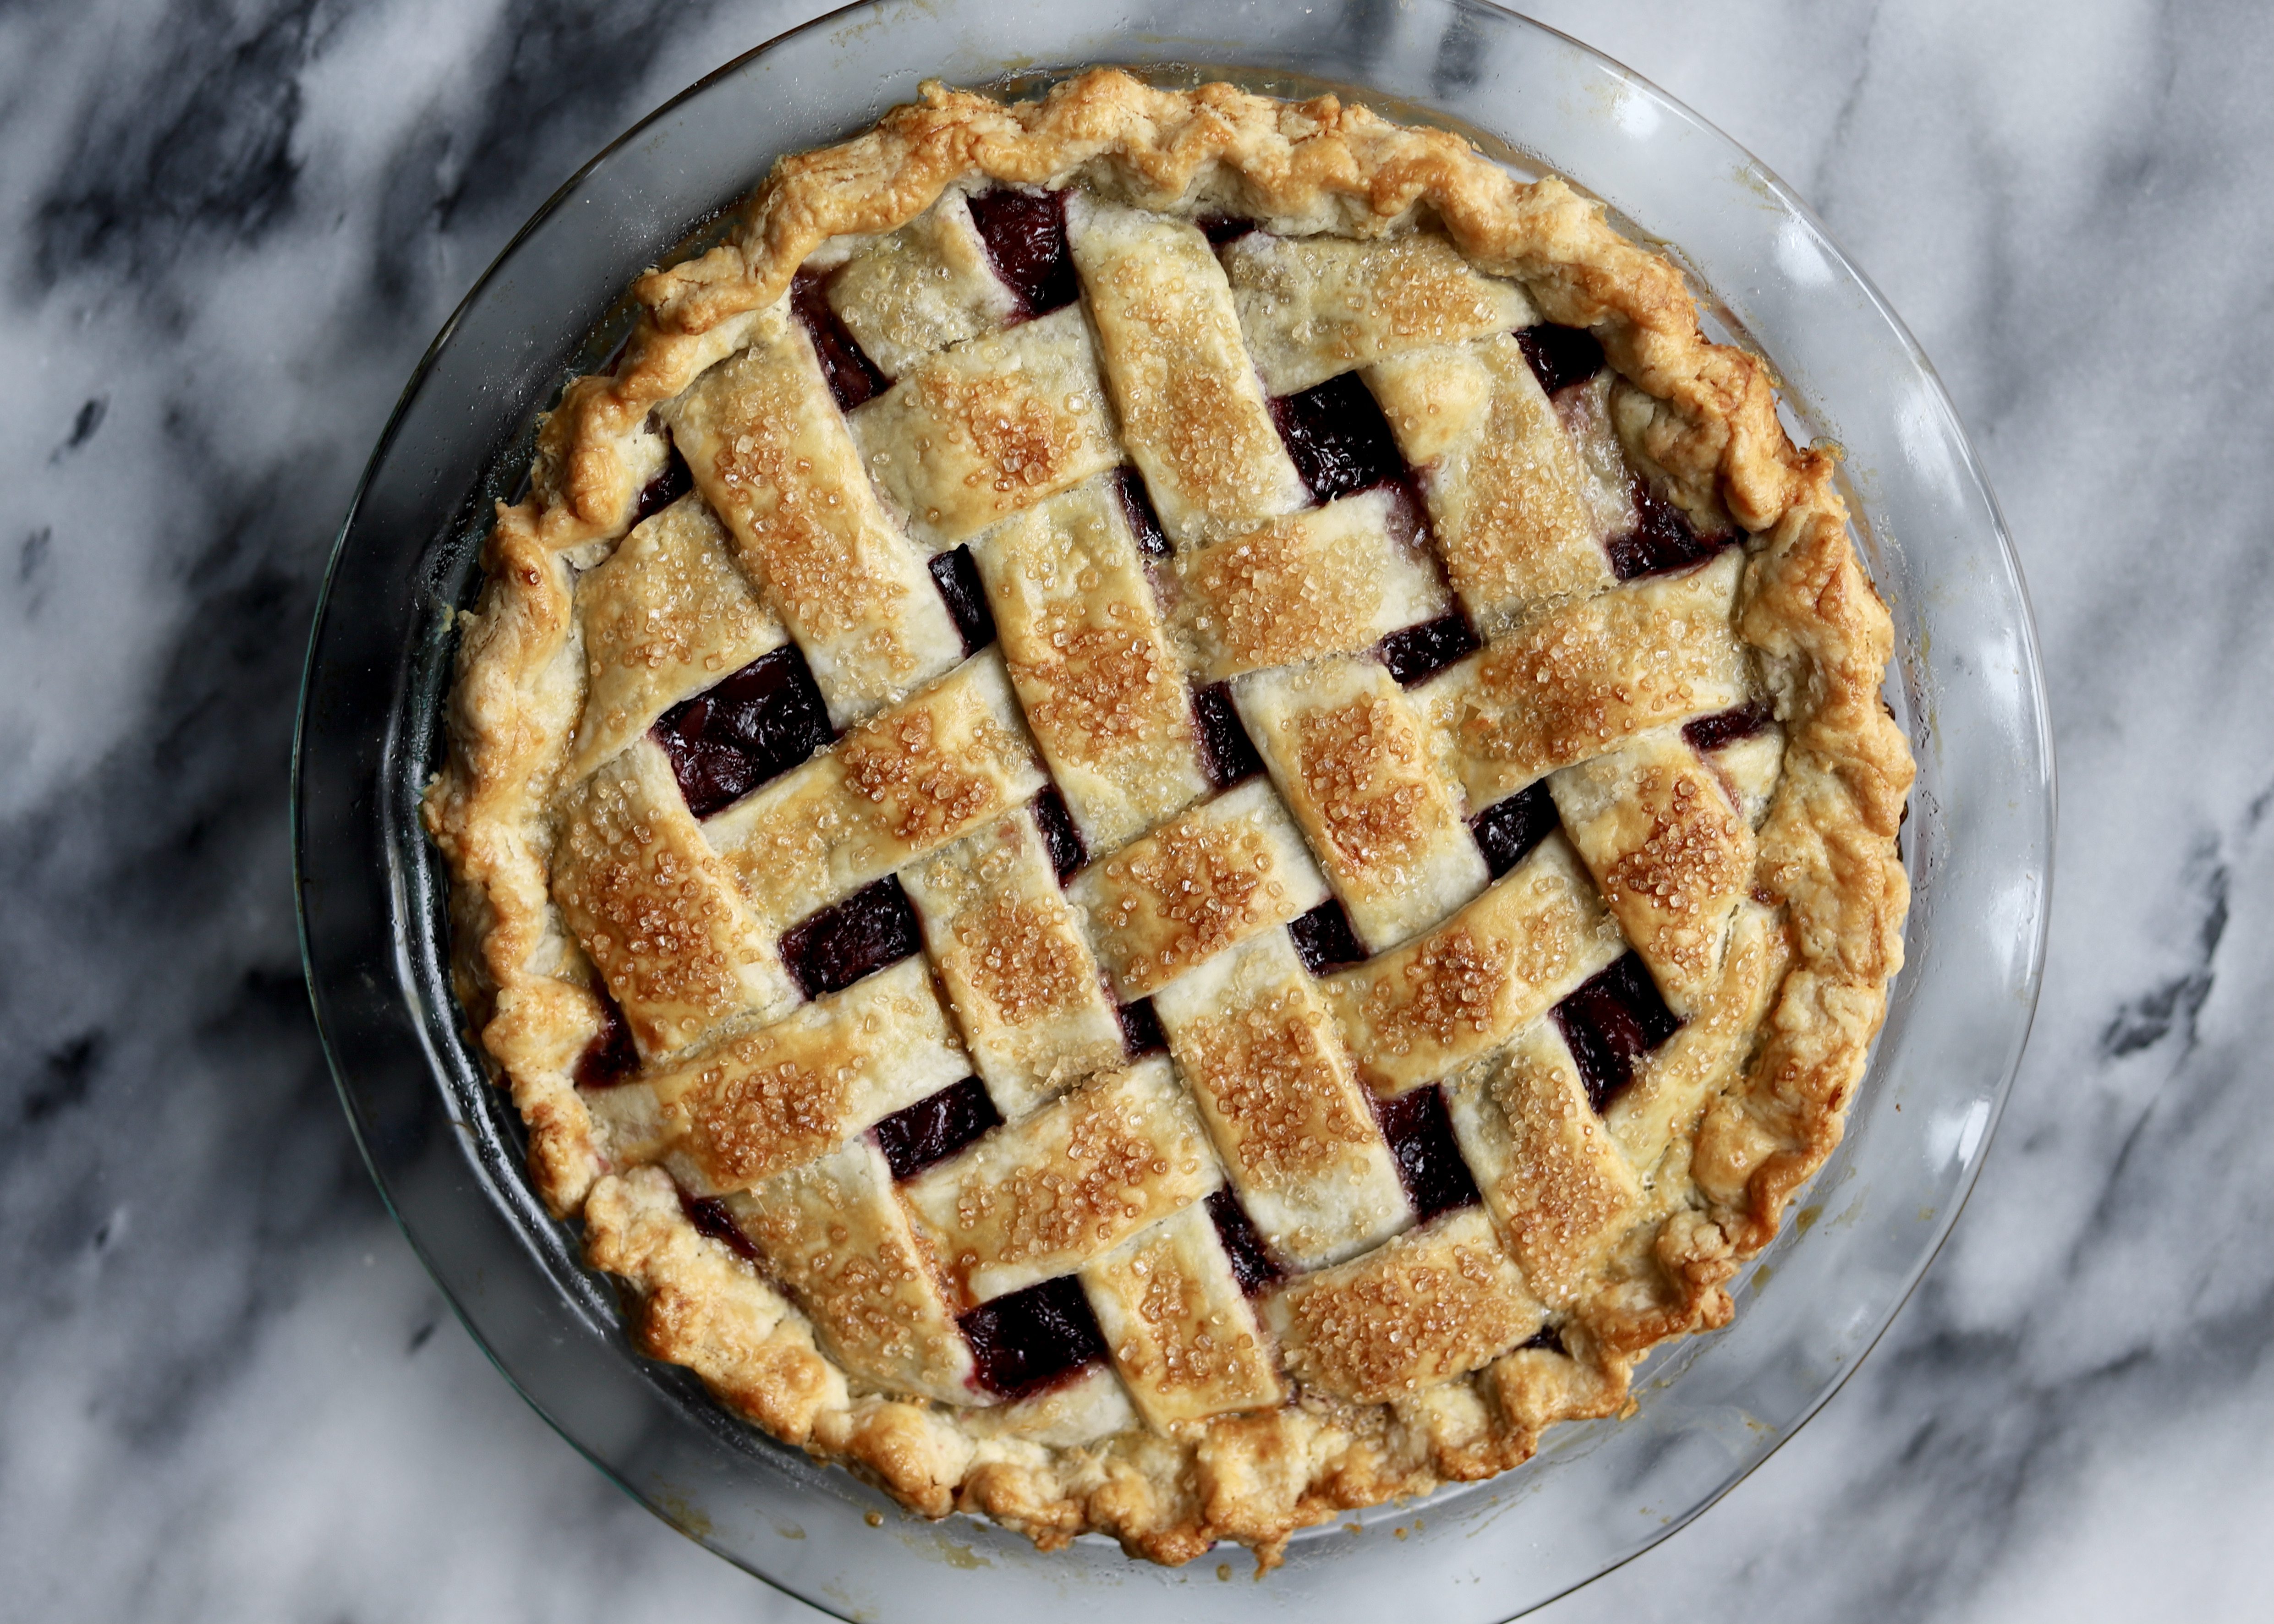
[[383, 1005]]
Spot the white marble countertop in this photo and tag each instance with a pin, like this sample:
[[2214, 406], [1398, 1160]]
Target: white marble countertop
[[230, 229]]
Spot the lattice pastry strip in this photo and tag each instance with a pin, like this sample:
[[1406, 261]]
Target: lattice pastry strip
[[917, 291], [1257, 1046], [1020, 977], [1333, 579], [1312, 308], [973, 434], [656, 910], [1673, 857], [665, 616], [1203, 882], [1040, 1197], [835, 1235], [901, 784], [756, 1103], [1583, 679], [1180, 1330], [1350, 757], [1413, 1015], [1192, 413], [769, 449], [1431, 1305], [1101, 683]]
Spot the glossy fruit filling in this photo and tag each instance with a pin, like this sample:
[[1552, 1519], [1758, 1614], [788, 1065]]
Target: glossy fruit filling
[[1324, 940], [1251, 1262], [1508, 829], [1340, 442], [1418, 652], [853, 377], [1429, 1165], [957, 576], [934, 1129], [1611, 1021], [1227, 754], [1031, 1340], [609, 1058], [1560, 355], [1026, 236], [1708, 734], [1141, 1029], [1060, 839], [754, 726], [873, 927]]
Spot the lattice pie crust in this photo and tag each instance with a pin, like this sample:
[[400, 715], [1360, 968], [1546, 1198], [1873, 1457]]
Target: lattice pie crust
[[1170, 813]]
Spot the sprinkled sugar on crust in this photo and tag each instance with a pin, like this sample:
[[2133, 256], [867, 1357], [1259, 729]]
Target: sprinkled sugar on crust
[[1065, 1090]]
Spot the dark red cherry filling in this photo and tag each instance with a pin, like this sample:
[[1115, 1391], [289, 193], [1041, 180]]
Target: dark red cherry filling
[[1220, 228], [1033, 1339], [1547, 1339], [1338, 438], [874, 926], [957, 576], [1060, 837], [1662, 538], [1324, 938], [934, 1129], [853, 377], [1144, 523], [609, 1058], [1420, 652], [1227, 755], [1026, 236], [710, 1217], [672, 481], [1709, 734], [1251, 1261], [755, 725], [1141, 1029], [1508, 829], [1429, 1165], [1613, 1019], [1559, 356]]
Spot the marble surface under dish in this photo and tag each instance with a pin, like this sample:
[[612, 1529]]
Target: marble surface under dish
[[227, 1389]]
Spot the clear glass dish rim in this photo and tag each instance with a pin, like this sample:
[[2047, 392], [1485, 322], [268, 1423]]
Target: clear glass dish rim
[[325, 989]]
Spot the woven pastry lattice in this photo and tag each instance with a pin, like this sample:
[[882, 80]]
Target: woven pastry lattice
[[1164, 811]]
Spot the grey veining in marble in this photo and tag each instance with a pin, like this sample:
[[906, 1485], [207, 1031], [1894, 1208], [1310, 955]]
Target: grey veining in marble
[[231, 227]]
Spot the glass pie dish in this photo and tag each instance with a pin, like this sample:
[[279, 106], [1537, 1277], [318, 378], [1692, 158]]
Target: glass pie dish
[[445, 1146]]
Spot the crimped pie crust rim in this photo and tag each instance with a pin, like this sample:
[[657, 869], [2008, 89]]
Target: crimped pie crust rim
[[1827, 858]]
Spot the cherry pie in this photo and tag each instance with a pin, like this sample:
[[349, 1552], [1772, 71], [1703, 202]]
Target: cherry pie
[[1170, 813]]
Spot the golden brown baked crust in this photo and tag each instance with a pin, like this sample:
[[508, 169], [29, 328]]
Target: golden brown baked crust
[[1730, 1117]]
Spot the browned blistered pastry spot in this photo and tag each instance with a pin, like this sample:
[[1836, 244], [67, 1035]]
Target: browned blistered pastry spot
[[1268, 601], [1021, 443], [1267, 1072], [1451, 988], [1358, 763], [1043, 1212], [1021, 959], [925, 795], [1695, 850]]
